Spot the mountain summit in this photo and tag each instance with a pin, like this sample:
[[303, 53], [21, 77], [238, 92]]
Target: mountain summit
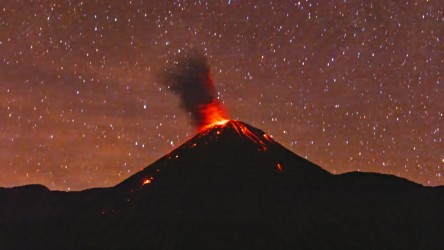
[[229, 187], [228, 149]]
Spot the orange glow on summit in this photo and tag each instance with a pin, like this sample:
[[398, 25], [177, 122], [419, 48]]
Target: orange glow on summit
[[213, 114], [190, 78], [217, 128]]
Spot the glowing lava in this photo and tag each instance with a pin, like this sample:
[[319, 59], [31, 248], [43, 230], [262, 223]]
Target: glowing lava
[[147, 181], [218, 126], [213, 114]]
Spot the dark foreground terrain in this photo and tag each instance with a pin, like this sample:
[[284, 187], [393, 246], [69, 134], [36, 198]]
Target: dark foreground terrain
[[230, 187]]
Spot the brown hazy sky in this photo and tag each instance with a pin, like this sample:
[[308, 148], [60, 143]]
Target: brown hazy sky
[[350, 85]]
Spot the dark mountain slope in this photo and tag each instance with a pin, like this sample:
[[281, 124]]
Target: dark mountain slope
[[229, 187]]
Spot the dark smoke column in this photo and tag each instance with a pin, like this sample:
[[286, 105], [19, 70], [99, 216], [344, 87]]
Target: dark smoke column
[[190, 78]]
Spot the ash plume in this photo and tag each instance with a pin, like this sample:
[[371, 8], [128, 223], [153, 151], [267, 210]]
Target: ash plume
[[190, 78]]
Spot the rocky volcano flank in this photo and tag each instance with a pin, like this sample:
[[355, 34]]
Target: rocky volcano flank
[[229, 187]]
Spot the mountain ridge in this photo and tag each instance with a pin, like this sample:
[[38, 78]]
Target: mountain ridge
[[230, 186]]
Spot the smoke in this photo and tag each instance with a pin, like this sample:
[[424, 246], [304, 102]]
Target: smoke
[[190, 78]]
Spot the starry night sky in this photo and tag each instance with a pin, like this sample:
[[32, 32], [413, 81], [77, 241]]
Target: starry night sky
[[350, 85]]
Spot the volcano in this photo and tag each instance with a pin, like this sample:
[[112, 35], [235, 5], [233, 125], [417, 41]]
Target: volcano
[[229, 187]]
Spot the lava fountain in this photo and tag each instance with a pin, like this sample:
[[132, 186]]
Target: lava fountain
[[190, 78], [213, 114]]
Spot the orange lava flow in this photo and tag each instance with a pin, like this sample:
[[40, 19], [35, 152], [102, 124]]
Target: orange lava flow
[[213, 114], [241, 129], [279, 166], [147, 181]]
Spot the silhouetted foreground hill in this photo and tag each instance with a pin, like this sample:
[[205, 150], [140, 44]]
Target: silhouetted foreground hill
[[229, 187]]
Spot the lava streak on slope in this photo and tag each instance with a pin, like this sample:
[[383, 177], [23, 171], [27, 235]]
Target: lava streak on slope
[[216, 128]]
